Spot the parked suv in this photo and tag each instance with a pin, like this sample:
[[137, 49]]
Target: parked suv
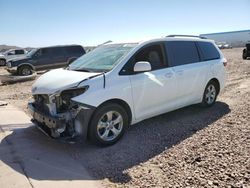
[[246, 51], [10, 54], [116, 85], [45, 58]]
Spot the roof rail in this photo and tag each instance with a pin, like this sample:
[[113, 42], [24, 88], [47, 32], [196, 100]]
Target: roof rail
[[187, 36]]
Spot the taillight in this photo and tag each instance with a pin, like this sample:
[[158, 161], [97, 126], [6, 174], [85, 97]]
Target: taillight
[[224, 62]]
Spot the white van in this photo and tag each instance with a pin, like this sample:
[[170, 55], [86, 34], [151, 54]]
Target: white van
[[119, 84]]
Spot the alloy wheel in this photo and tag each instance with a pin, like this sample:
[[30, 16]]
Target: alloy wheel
[[110, 126], [210, 94]]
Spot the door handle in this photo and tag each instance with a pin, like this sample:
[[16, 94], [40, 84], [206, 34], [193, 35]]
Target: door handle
[[168, 74]]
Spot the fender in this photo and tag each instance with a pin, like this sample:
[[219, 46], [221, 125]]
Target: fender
[[22, 64]]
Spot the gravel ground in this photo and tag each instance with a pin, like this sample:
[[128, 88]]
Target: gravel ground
[[190, 147]]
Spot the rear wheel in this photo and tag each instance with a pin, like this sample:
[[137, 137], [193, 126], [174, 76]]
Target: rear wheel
[[2, 62], [24, 70], [108, 124], [244, 55], [210, 94]]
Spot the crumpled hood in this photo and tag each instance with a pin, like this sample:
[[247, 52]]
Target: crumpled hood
[[59, 79]]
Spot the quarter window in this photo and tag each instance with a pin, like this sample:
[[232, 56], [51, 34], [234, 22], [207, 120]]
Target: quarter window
[[182, 52], [208, 51]]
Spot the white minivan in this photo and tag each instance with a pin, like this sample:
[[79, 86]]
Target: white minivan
[[119, 84]]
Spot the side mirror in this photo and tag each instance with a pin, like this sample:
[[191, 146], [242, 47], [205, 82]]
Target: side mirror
[[142, 66]]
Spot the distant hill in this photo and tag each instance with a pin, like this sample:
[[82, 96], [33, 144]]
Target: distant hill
[[4, 47]]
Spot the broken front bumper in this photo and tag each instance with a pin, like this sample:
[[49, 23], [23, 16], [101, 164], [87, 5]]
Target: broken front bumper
[[59, 127], [47, 123]]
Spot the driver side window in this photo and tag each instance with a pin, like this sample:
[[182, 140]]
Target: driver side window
[[152, 54], [44, 52]]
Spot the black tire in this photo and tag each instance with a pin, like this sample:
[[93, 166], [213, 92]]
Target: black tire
[[24, 70], [210, 102], [2, 62], [95, 132], [244, 54]]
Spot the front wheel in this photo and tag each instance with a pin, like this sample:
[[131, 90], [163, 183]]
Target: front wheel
[[108, 124], [2, 62], [24, 71], [244, 56], [210, 94]]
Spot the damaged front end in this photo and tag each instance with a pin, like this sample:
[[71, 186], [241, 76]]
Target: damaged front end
[[59, 116]]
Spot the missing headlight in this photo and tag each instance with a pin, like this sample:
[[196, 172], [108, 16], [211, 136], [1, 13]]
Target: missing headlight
[[63, 101]]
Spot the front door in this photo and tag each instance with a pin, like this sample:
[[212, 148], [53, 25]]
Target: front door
[[154, 91], [42, 59]]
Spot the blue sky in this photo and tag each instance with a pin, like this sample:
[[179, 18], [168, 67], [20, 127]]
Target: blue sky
[[90, 22]]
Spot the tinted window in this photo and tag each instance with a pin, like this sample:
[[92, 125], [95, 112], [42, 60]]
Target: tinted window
[[181, 52], [152, 54], [58, 51], [19, 52], [75, 50], [208, 51], [43, 52]]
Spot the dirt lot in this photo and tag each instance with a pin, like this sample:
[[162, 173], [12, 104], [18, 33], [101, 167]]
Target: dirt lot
[[192, 146]]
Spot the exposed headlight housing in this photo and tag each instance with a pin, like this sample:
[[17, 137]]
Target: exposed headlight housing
[[63, 101]]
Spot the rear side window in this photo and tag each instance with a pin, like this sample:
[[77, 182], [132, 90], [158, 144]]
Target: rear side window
[[208, 51], [75, 50], [182, 52], [57, 51]]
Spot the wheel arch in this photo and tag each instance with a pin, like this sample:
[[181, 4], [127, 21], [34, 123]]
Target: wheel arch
[[215, 80], [26, 64], [122, 103]]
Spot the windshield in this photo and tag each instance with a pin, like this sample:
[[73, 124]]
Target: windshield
[[6, 52], [101, 59], [31, 52]]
